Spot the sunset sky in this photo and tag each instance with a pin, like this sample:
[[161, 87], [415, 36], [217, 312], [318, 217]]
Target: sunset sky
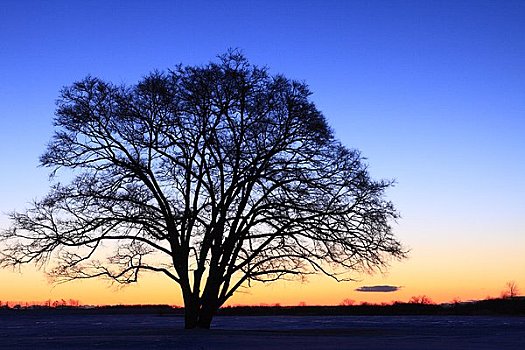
[[431, 92]]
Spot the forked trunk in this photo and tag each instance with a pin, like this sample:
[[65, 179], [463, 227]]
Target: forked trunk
[[196, 316], [205, 318], [206, 313]]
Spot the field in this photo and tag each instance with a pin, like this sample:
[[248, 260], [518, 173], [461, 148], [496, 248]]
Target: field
[[150, 331]]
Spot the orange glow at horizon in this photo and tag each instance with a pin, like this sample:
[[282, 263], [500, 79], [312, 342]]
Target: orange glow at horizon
[[462, 275]]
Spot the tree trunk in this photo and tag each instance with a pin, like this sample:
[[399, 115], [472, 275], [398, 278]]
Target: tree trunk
[[196, 316], [199, 311], [206, 314], [191, 314]]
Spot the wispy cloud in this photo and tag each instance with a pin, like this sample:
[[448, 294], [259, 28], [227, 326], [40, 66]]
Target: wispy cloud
[[378, 289]]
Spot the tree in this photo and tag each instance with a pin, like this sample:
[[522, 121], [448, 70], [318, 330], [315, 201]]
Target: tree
[[511, 290], [216, 176], [421, 299], [347, 302]]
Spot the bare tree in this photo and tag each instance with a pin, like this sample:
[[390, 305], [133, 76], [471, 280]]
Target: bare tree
[[511, 290], [215, 176], [347, 302], [421, 299]]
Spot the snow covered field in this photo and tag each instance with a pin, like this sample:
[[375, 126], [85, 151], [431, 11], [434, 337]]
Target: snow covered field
[[34, 331]]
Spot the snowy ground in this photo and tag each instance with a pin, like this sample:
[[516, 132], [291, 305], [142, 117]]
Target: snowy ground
[[129, 332]]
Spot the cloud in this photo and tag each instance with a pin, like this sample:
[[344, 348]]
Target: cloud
[[378, 289]]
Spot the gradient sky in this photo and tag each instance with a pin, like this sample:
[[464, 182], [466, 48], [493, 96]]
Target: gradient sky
[[431, 92]]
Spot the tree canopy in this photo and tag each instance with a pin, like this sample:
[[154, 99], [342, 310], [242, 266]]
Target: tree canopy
[[215, 175]]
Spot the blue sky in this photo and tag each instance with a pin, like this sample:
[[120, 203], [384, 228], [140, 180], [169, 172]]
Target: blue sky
[[431, 92]]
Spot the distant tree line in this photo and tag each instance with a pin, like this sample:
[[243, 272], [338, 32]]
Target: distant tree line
[[47, 303], [497, 306]]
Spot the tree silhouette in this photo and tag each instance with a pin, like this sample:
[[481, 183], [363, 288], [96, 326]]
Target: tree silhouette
[[511, 290], [421, 299], [216, 176], [347, 302]]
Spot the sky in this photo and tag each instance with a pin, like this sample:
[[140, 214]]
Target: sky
[[431, 92]]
